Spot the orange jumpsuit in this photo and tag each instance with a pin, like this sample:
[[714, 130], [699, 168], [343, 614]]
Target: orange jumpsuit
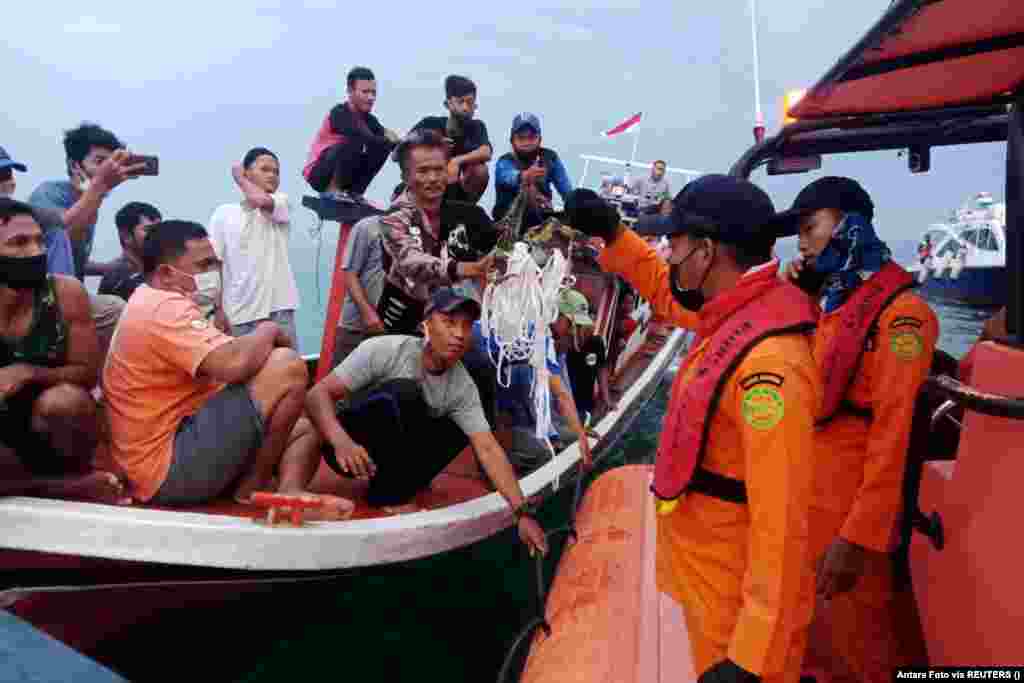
[[858, 485], [741, 572]]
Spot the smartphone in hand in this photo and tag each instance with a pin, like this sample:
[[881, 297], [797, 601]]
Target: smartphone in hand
[[152, 164]]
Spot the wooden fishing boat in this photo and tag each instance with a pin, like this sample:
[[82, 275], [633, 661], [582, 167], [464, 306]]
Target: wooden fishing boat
[[81, 571]]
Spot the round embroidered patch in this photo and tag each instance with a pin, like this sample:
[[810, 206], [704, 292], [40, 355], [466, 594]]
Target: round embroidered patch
[[591, 359], [763, 407], [906, 344]]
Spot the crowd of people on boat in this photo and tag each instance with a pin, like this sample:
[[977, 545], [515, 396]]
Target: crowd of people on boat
[[779, 474]]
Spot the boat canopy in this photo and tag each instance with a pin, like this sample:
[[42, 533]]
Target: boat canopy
[[929, 73], [926, 54]]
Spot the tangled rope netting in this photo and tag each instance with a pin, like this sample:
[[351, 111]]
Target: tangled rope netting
[[518, 309]]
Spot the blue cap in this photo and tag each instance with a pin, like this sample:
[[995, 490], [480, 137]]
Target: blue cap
[[525, 120], [448, 299], [724, 208], [7, 162]]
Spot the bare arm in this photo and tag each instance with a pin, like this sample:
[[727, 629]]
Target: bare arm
[[366, 309], [83, 356], [602, 380], [320, 403], [240, 359], [320, 406], [496, 465], [110, 174], [254, 195], [480, 155], [566, 405]]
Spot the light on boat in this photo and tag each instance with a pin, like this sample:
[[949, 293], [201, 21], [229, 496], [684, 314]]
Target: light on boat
[[788, 102]]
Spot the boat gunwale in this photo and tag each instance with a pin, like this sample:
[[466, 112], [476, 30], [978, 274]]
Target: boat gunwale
[[219, 541]]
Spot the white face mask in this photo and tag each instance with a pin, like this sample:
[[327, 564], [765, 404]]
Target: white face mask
[[207, 292], [207, 288]]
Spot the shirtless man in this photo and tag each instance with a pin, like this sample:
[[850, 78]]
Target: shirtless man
[[49, 360]]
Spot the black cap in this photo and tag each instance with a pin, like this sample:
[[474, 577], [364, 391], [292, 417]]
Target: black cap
[[724, 208], [448, 299], [831, 192]]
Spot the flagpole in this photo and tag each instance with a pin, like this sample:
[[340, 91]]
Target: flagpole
[[632, 157], [758, 115]]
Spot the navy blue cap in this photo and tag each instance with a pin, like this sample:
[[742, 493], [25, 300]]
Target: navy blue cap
[[722, 207], [525, 120], [7, 162], [448, 299], [831, 192]]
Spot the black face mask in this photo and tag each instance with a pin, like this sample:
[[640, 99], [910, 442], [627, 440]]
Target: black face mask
[[690, 299], [23, 272], [529, 157]]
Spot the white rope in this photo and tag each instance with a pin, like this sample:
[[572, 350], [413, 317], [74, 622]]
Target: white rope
[[518, 309]]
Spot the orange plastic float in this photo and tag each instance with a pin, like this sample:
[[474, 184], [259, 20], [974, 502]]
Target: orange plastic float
[[609, 622]]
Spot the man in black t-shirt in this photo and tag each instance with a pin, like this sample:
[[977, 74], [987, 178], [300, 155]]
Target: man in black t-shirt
[[125, 274], [467, 137], [587, 364]]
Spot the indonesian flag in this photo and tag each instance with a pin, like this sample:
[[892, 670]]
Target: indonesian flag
[[629, 124]]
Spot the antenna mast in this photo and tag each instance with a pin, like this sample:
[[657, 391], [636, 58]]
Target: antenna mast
[[758, 115]]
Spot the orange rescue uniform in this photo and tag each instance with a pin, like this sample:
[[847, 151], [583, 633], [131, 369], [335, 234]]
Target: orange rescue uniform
[[742, 572], [858, 486]]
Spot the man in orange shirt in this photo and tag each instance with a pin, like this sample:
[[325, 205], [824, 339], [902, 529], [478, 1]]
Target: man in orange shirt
[[874, 345], [193, 412], [735, 462]]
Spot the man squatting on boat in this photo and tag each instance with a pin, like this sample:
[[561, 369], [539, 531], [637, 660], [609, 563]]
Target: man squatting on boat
[[761, 529]]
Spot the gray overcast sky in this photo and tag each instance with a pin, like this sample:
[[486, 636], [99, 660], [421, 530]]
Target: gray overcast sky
[[198, 83]]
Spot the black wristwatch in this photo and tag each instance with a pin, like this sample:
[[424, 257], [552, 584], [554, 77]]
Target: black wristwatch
[[453, 270]]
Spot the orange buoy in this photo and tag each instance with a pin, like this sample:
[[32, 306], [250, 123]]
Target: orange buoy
[[609, 621]]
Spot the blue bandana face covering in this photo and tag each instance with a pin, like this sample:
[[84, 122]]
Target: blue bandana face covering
[[852, 256]]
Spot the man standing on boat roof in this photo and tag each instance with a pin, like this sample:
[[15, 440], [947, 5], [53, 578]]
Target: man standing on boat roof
[[466, 136], [132, 221], [416, 256], [530, 166], [874, 344], [351, 145], [409, 407], [652, 189], [49, 362], [735, 461], [194, 413], [97, 162]]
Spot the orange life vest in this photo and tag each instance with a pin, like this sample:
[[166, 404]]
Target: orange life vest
[[780, 309], [858, 315]]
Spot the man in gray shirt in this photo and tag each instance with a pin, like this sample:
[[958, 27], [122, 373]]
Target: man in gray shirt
[[363, 265], [408, 407], [652, 189]]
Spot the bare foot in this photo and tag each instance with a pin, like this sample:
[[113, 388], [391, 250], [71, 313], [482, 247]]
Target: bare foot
[[98, 487], [250, 485], [335, 508]]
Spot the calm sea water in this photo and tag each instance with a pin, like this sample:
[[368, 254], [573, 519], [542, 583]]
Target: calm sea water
[[446, 618]]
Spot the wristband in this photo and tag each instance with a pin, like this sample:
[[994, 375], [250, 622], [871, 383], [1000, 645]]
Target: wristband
[[453, 270]]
